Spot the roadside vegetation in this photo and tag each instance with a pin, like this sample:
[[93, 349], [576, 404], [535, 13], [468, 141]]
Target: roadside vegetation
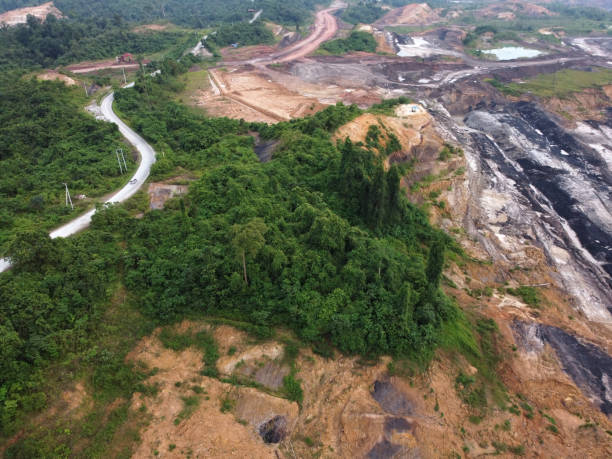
[[561, 84], [47, 140], [356, 41]]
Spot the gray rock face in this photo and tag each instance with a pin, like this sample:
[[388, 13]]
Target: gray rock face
[[534, 183], [589, 366]]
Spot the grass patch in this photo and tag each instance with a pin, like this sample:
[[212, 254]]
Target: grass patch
[[227, 404], [530, 295], [190, 404], [193, 82], [175, 341], [560, 84]]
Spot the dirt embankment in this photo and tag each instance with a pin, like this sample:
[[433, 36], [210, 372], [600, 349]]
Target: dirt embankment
[[508, 10], [20, 16], [91, 67], [590, 104], [412, 14], [351, 409], [150, 28], [52, 75], [411, 126]]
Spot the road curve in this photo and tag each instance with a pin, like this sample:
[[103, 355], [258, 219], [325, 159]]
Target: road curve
[[147, 158], [325, 27]]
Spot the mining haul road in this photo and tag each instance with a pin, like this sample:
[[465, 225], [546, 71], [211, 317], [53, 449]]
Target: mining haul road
[[147, 158], [325, 27]]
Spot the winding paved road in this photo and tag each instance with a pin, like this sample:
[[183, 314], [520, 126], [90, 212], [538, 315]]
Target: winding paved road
[[147, 158]]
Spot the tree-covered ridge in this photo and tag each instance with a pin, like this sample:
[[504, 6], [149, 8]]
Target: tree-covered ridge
[[47, 140], [192, 13], [320, 239], [61, 41]]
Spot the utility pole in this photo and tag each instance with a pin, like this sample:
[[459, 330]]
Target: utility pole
[[120, 150], [85, 88], [119, 161], [68, 199], [124, 78]]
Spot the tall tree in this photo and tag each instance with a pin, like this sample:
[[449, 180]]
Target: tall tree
[[248, 239]]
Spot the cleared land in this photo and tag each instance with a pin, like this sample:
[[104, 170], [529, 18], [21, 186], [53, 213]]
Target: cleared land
[[20, 16]]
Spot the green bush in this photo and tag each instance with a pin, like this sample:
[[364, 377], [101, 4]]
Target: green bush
[[293, 388], [356, 41]]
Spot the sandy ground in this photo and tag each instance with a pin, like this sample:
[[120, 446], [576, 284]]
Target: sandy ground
[[150, 27], [351, 409], [412, 14], [53, 75], [160, 192], [242, 93], [20, 16]]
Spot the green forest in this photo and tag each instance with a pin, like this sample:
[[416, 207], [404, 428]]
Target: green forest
[[47, 140], [320, 239], [191, 13], [60, 42], [356, 41], [363, 12], [243, 34]]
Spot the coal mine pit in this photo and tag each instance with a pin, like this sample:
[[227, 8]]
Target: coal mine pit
[[391, 399], [384, 450], [274, 430]]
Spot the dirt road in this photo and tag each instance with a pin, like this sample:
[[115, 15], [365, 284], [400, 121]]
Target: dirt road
[[325, 27], [88, 67]]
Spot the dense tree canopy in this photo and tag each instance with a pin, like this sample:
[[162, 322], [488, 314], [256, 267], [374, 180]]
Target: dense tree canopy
[[243, 34], [58, 42], [362, 12], [193, 13], [319, 239]]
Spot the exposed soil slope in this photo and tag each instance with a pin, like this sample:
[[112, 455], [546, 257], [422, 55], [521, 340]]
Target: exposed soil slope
[[20, 16], [413, 129], [53, 75], [351, 409], [412, 14]]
